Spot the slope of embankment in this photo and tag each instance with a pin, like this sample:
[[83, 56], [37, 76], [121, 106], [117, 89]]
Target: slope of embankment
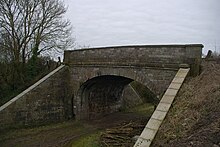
[[194, 119]]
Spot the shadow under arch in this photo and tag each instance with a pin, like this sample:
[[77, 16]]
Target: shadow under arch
[[100, 95]]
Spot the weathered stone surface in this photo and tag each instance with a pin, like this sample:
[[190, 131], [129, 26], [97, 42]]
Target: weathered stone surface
[[148, 134], [182, 73], [184, 66], [174, 85], [43, 102], [130, 98], [142, 143], [171, 92], [163, 107], [170, 56], [167, 99], [157, 83], [153, 124], [177, 80], [154, 66], [159, 115]]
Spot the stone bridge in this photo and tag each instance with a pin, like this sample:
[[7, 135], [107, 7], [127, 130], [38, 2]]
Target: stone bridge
[[98, 75], [95, 82]]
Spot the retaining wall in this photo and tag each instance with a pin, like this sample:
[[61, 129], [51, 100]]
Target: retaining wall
[[43, 102]]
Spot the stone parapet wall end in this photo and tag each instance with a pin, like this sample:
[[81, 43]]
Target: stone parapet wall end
[[42, 102]]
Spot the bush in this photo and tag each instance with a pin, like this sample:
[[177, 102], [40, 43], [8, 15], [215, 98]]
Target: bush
[[16, 78]]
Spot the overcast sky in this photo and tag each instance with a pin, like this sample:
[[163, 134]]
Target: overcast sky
[[126, 22]]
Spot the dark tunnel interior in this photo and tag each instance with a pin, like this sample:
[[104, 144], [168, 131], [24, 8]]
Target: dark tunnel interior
[[102, 95]]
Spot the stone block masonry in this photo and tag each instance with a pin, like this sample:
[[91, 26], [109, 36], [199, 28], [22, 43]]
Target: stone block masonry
[[43, 102], [153, 66], [160, 56], [149, 132]]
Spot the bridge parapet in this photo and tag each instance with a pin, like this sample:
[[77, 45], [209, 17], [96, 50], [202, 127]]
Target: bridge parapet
[[160, 56]]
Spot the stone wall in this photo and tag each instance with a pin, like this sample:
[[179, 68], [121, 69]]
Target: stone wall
[[156, 80], [130, 98], [43, 102], [154, 66], [169, 56]]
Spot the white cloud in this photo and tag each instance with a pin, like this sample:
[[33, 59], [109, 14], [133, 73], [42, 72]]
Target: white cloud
[[114, 22]]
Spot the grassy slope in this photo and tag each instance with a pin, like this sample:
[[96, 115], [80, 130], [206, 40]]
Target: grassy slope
[[194, 119]]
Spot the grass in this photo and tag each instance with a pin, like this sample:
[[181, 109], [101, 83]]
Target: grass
[[58, 129], [143, 109], [91, 140]]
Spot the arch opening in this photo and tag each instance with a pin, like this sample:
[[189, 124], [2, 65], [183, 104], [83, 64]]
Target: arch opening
[[103, 95]]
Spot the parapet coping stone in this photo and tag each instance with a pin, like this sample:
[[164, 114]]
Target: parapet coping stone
[[175, 86], [30, 88], [154, 123], [167, 99], [138, 46]]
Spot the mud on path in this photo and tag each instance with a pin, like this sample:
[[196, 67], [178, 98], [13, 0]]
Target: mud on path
[[62, 134]]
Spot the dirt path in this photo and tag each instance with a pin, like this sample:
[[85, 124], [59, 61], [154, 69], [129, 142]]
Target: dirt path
[[62, 133]]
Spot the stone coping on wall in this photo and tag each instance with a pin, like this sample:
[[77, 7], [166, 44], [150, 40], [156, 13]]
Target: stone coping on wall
[[139, 46], [173, 67], [30, 88], [154, 56], [150, 130]]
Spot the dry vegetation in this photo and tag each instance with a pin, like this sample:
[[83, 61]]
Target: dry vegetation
[[194, 119], [122, 135]]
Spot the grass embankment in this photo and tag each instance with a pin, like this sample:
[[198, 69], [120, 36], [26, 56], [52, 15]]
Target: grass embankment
[[194, 118]]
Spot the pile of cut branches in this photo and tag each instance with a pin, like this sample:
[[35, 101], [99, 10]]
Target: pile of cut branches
[[122, 135]]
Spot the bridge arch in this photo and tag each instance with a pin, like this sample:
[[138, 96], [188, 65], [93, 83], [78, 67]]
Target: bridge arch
[[100, 93], [151, 65]]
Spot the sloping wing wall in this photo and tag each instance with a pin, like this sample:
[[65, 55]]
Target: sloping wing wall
[[43, 102]]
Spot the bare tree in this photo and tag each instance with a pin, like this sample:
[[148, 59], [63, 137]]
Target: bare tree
[[30, 27], [5, 49], [27, 29]]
